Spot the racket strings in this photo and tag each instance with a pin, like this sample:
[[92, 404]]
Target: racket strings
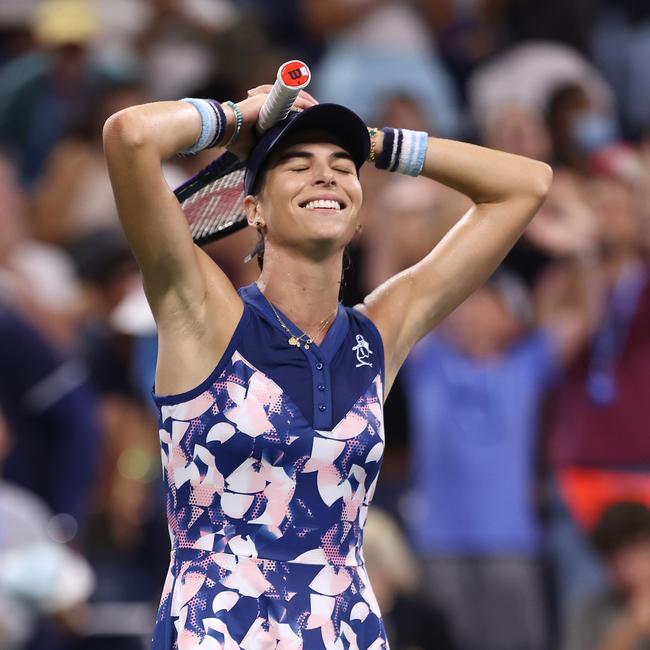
[[213, 199], [216, 206]]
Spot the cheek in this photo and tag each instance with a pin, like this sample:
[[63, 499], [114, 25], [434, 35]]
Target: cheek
[[356, 192]]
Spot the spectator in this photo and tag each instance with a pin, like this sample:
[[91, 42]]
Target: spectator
[[586, 138], [370, 46], [617, 618], [51, 409], [74, 195], [172, 43], [519, 129], [124, 538], [56, 81], [621, 47], [600, 412], [474, 390], [37, 278], [39, 575], [527, 74]]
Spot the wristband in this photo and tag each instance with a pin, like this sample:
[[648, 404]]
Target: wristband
[[213, 124], [384, 158], [404, 151], [238, 124]]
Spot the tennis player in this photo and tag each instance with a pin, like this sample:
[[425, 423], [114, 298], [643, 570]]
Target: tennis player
[[270, 397]]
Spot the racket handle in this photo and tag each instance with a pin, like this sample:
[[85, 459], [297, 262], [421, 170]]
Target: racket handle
[[292, 77]]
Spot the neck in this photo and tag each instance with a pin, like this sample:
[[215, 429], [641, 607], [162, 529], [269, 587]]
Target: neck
[[306, 290]]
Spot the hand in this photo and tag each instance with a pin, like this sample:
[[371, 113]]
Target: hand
[[250, 109]]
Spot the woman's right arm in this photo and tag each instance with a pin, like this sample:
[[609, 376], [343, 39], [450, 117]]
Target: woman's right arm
[[177, 274], [195, 305]]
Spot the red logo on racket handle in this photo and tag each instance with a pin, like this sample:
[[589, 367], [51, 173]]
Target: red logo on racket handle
[[295, 74]]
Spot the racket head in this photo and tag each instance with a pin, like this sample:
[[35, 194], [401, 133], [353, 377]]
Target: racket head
[[213, 199]]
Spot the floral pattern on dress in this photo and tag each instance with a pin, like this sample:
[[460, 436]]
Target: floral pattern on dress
[[266, 517]]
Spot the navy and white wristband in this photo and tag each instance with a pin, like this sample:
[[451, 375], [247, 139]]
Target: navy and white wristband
[[403, 151], [213, 124]]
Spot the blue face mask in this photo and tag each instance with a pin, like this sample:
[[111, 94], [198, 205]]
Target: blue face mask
[[591, 131]]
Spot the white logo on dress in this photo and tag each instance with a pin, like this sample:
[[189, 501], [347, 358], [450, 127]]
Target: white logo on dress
[[362, 348]]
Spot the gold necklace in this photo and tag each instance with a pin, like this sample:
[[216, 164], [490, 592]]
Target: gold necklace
[[294, 340]]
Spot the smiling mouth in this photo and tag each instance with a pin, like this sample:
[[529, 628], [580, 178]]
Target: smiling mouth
[[323, 204]]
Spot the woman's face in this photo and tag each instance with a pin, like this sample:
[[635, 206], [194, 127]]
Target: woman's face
[[310, 198]]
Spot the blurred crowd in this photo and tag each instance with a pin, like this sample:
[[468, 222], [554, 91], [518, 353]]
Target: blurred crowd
[[513, 510]]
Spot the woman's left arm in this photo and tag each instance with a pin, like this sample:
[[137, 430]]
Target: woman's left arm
[[506, 190]]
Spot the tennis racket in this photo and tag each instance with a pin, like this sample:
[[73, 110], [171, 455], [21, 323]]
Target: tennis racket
[[212, 200]]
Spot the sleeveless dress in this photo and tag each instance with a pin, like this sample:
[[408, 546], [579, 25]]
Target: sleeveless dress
[[269, 467]]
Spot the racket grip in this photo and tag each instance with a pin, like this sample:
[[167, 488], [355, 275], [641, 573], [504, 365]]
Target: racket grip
[[292, 77]]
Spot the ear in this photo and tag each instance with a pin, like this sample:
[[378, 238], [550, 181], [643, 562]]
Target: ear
[[253, 213]]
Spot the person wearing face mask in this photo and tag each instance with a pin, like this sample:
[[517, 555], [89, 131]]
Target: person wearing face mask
[[270, 397], [587, 138]]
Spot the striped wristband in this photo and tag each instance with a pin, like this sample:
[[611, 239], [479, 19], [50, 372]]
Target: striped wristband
[[213, 124], [403, 151]]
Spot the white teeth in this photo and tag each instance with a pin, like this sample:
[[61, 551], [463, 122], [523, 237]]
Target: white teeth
[[323, 203]]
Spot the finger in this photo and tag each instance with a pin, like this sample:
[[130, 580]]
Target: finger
[[266, 88], [258, 90], [305, 99], [302, 104], [305, 95]]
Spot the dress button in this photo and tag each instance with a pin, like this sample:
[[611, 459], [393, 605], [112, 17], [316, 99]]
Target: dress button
[[321, 387], [321, 407], [319, 366]]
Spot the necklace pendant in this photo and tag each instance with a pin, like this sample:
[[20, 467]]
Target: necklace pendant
[[306, 346], [294, 342]]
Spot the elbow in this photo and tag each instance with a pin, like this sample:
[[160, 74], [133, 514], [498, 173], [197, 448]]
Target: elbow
[[124, 130], [541, 179]]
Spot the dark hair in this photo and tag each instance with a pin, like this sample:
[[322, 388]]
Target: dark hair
[[258, 250], [620, 524]]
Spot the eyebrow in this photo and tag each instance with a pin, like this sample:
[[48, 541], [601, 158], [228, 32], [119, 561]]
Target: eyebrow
[[299, 153]]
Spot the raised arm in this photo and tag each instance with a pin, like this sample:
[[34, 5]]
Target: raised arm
[[195, 306], [136, 140], [184, 287], [506, 191]]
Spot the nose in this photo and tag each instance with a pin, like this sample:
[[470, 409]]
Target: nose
[[324, 176]]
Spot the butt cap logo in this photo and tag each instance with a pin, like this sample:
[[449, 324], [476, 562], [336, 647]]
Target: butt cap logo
[[295, 74]]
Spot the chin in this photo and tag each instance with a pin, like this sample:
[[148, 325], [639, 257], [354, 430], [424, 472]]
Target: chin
[[330, 233], [324, 245]]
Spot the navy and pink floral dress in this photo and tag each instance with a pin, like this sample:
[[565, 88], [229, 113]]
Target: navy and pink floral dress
[[269, 466]]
